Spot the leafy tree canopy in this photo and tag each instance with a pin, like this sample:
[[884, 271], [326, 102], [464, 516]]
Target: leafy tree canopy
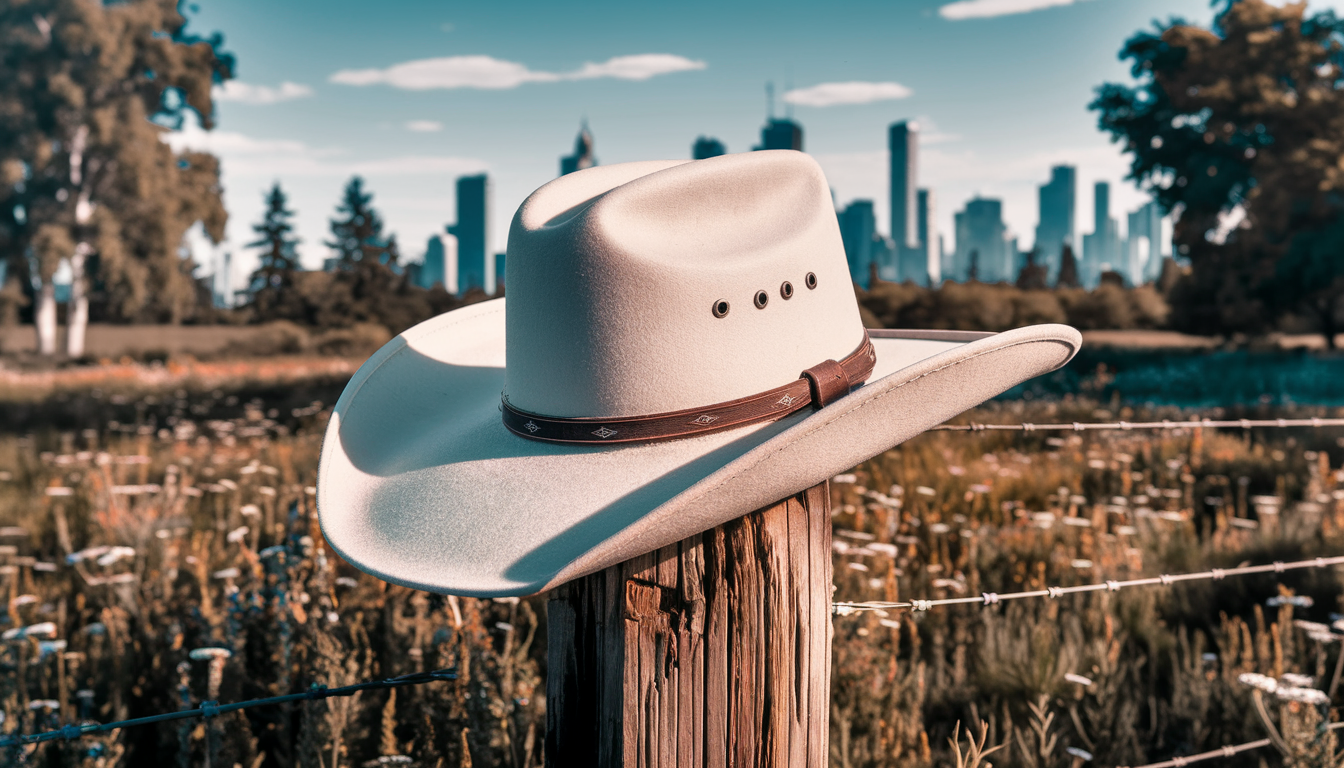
[[87, 92], [1239, 128]]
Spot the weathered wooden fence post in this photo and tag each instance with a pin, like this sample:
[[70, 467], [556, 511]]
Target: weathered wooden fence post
[[714, 651]]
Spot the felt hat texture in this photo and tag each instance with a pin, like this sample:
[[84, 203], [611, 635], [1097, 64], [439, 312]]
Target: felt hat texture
[[633, 289]]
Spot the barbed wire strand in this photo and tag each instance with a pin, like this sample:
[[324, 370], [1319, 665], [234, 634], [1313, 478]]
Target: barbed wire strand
[[1227, 751], [211, 709], [1111, 585], [1082, 426]]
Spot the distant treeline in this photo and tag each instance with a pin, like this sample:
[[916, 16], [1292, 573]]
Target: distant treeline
[[978, 306]]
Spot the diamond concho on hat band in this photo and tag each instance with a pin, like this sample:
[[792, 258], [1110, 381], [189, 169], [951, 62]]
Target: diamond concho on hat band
[[818, 386]]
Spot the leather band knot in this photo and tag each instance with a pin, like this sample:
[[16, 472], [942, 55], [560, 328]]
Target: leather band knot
[[827, 381]]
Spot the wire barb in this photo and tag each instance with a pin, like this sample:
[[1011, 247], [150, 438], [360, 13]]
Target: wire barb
[[1079, 426], [1110, 585], [210, 709], [1229, 750]]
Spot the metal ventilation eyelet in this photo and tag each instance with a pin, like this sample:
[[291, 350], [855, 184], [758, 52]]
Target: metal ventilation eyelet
[[811, 280], [762, 298], [720, 308], [786, 290]]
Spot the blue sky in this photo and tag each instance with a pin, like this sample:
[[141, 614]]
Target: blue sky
[[412, 94]]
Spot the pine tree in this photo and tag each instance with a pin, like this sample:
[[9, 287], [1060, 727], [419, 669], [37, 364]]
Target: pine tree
[[272, 285], [1068, 269], [368, 279], [357, 233]]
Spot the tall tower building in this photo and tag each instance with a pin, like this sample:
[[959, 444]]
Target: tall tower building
[[1057, 225], [1143, 249], [781, 133], [1101, 207], [903, 142], [432, 268], [923, 263], [450, 270], [223, 281], [706, 147], [472, 232], [857, 227], [982, 242], [583, 156], [1101, 249]]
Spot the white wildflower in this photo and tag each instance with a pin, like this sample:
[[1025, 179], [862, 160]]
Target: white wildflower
[[1256, 680], [1303, 695]]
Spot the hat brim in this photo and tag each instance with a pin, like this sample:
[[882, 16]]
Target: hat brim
[[420, 484]]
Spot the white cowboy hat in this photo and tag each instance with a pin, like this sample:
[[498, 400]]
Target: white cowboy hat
[[696, 307]]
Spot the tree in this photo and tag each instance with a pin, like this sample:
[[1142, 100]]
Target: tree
[[1033, 276], [1240, 129], [271, 286], [87, 91], [1068, 269], [357, 232], [368, 285]]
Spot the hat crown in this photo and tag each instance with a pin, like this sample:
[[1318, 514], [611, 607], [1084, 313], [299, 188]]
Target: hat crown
[[618, 278]]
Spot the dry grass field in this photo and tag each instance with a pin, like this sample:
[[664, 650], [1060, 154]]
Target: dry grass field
[[159, 525]]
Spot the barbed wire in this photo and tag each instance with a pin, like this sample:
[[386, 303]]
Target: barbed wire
[[1227, 751], [211, 709], [1078, 426], [1110, 585]]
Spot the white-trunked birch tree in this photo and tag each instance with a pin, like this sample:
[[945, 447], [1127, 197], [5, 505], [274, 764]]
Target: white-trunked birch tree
[[87, 92]]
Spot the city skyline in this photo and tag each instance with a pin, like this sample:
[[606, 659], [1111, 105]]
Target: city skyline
[[1000, 98]]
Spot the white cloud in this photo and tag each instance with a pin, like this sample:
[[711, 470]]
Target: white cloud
[[424, 126], [488, 73], [194, 138], [832, 94], [640, 67], [248, 93], [984, 9], [243, 157], [446, 72]]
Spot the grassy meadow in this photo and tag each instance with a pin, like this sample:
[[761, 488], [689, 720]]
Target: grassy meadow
[[135, 530]]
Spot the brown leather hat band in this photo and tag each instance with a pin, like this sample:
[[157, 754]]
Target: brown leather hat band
[[818, 386]]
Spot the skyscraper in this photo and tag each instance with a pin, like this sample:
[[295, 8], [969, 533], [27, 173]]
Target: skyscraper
[[472, 232], [583, 156], [885, 257], [903, 143], [1145, 223], [1057, 225], [450, 270], [781, 133], [857, 227], [981, 234], [432, 268], [706, 147], [222, 283], [1101, 249], [921, 264]]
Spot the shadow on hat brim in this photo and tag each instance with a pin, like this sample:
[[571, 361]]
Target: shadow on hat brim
[[420, 484]]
